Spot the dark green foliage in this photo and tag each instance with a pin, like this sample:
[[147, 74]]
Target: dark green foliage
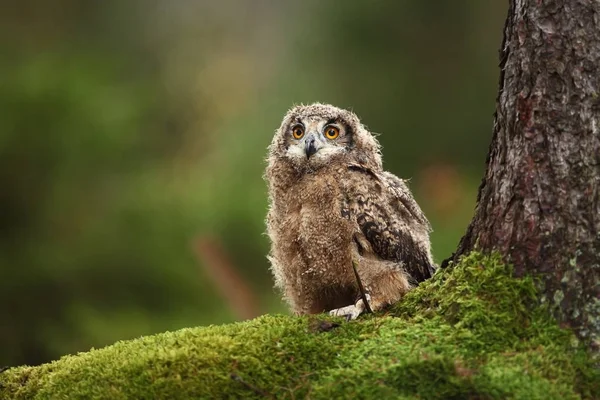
[[88, 226], [469, 332]]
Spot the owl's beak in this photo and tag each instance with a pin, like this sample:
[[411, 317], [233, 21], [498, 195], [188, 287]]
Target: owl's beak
[[310, 147]]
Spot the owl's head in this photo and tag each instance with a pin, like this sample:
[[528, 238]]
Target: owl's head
[[317, 135]]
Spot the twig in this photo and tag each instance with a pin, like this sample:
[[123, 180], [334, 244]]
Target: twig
[[235, 289], [256, 390], [361, 288]]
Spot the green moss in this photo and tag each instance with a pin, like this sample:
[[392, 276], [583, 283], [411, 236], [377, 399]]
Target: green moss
[[470, 332]]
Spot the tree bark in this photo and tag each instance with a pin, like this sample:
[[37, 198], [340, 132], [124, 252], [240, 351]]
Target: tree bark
[[538, 203]]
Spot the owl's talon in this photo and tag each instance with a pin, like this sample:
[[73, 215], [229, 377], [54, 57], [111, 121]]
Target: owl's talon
[[350, 312]]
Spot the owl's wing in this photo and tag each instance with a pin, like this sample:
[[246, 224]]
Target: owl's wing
[[392, 222], [401, 192]]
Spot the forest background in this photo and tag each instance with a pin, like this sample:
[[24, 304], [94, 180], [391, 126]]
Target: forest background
[[133, 137]]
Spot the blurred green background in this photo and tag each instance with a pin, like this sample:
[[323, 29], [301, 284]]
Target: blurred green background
[[133, 136]]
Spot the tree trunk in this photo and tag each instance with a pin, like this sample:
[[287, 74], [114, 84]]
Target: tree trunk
[[539, 204]]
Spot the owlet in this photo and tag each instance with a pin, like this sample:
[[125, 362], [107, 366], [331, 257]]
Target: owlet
[[331, 205]]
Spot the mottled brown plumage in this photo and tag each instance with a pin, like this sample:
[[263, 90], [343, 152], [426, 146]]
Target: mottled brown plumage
[[331, 203]]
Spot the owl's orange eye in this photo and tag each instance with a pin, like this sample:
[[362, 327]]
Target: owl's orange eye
[[298, 132], [332, 132]]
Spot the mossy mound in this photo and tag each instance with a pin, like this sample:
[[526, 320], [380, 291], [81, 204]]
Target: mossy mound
[[469, 332]]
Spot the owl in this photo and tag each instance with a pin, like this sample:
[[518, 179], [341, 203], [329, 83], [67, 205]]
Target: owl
[[343, 231]]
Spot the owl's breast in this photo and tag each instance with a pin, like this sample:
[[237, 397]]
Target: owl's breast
[[324, 235]]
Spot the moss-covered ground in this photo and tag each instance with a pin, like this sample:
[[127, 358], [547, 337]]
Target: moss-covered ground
[[472, 331]]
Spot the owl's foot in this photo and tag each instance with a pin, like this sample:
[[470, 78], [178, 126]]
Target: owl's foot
[[352, 311]]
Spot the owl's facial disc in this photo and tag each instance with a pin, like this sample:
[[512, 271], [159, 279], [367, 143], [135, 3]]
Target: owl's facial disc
[[315, 140]]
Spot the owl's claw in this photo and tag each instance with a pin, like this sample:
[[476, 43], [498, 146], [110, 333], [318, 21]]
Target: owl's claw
[[350, 312]]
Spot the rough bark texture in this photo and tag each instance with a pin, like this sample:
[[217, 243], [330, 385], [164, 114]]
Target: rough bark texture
[[539, 201]]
